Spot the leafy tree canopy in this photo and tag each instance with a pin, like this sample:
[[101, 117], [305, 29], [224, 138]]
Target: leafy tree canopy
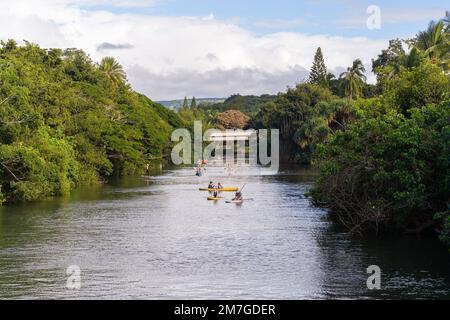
[[65, 121]]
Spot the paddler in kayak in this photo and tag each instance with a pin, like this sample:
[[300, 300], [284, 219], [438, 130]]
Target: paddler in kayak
[[238, 196], [211, 185], [219, 186], [215, 193]]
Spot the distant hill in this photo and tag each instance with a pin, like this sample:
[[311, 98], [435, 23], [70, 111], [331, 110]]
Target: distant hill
[[176, 104], [246, 104], [249, 105]]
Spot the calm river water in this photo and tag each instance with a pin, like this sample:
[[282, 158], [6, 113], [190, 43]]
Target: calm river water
[[161, 239]]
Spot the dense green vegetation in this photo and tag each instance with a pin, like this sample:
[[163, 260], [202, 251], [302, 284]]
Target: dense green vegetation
[[390, 167], [383, 150], [388, 171], [66, 121], [305, 115]]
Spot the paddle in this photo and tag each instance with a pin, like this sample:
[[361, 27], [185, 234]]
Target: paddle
[[238, 191]]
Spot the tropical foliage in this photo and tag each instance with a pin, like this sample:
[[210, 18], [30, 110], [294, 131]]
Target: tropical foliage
[[65, 121], [354, 79], [305, 115], [113, 70], [434, 43], [382, 150], [389, 171], [389, 168]]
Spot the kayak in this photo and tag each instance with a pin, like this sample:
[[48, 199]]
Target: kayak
[[235, 201], [228, 189], [214, 198]]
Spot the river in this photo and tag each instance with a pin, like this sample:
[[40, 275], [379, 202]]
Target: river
[[159, 238]]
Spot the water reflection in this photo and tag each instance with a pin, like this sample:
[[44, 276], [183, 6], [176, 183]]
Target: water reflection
[[160, 238]]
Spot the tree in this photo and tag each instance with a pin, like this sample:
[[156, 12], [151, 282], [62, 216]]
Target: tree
[[62, 124], [9, 45], [417, 87], [431, 39], [113, 70], [304, 117], [324, 119], [336, 85], [391, 56], [393, 60], [193, 103], [388, 171], [355, 78], [330, 77], [185, 103], [318, 74], [412, 59], [434, 43], [232, 119]]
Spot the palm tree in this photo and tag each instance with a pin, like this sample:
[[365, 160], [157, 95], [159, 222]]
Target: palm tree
[[355, 78], [434, 43], [412, 59], [313, 131], [113, 70], [432, 39]]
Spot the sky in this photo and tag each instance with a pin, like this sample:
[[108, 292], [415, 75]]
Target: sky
[[214, 48]]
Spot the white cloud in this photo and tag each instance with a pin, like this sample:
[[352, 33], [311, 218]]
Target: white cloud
[[116, 3], [170, 57], [279, 23], [216, 82]]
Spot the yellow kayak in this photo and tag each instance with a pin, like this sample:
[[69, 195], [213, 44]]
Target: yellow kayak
[[228, 189], [214, 198]]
